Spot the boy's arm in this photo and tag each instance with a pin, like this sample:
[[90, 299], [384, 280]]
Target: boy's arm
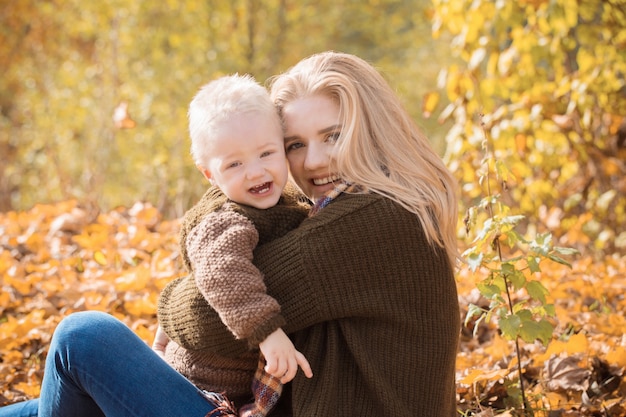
[[220, 250]]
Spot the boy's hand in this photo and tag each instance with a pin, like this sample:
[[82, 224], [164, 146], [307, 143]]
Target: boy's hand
[[160, 342], [282, 358]]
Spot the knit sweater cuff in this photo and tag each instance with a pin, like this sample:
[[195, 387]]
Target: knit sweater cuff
[[267, 328]]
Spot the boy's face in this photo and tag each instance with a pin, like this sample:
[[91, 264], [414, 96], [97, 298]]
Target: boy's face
[[248, 160]]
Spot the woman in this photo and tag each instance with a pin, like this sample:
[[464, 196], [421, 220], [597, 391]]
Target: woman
[[365, 284]]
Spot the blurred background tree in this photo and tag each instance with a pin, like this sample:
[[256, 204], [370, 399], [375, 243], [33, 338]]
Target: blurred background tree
[[546, 81], [93, 95]]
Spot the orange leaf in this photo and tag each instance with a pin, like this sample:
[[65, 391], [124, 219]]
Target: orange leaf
[[617, 356], [478, 375]]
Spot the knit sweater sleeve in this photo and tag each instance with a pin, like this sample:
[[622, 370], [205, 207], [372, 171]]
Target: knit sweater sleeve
[[220, 249], [346, 262]]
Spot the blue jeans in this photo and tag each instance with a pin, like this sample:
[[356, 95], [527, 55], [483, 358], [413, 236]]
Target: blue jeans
[[97, 366]]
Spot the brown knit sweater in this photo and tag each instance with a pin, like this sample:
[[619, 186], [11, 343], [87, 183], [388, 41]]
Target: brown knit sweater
[[371, 305], [217, 240]]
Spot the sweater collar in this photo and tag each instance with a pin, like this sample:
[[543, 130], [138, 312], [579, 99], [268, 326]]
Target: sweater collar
[[330, 196]]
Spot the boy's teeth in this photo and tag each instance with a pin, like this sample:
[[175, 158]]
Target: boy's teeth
[[261, 188]]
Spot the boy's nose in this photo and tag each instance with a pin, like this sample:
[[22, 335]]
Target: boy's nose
[[255, 170]]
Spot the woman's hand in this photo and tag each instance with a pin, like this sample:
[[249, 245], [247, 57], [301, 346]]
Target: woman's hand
[[281, 357]]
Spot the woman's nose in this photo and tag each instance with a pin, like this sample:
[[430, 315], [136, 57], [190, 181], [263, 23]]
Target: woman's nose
[[317, 156]]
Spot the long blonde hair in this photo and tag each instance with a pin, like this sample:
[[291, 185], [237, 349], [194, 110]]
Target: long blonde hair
[[380, 147]]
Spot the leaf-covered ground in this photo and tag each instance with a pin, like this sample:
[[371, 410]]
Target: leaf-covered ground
[[57, 259]]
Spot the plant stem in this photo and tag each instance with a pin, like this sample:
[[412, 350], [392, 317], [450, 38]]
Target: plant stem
[[496, 243], [527, 411]]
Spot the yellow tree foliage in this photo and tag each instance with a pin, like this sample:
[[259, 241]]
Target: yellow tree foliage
[[547, 81], [94, 95]]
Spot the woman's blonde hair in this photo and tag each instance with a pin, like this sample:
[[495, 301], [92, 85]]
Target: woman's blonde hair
[[380, 147]]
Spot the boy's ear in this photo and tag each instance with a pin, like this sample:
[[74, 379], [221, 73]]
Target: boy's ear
[[205, 172]]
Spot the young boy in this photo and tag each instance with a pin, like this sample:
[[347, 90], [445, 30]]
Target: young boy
[[237, 144]]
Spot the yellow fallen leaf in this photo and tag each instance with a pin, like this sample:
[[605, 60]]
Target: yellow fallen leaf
[[500, 347], [99, 257], [478, 375], [576, 344], [555, 399], [141, 306], [30, 389]]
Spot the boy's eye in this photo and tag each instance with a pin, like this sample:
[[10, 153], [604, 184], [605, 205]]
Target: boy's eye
[[266, 153], [233, 165]]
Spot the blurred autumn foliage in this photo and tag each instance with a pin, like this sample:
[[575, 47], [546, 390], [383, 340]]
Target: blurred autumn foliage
[[57, 259], [92, 116], [94, 95]]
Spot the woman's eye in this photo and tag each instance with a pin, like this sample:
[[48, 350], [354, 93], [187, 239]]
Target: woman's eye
[[293, 146], [333, 138]]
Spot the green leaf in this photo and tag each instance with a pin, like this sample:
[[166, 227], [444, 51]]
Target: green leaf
[[559, 260], [507, 268], [542, 244], [525, 315], [473, 311], [517, 307], [566, 251], [531, 330], [537, 291], [474, 261], [517, 279], [519, 237], [533, 263], [503, 172], [510, 326], [512, 220], [488, 290]]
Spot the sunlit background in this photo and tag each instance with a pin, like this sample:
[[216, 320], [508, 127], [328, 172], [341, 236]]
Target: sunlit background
[[93, 95]]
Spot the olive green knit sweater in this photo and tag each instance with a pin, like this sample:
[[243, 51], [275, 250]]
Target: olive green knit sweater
[[217, 240], [371, 305]]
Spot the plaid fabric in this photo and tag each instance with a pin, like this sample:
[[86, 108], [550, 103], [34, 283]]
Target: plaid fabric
[[343, 187], [223, 407], [266, 390]]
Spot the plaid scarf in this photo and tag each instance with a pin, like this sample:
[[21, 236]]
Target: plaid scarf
[[265, 387], [344, 187]]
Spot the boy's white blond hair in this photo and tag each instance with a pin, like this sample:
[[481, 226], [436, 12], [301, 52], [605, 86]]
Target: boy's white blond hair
[[217, 101]]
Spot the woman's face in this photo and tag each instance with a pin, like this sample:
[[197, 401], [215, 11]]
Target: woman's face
[[312, 128]]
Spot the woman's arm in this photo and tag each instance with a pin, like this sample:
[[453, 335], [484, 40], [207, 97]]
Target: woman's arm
[[352, 260]]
